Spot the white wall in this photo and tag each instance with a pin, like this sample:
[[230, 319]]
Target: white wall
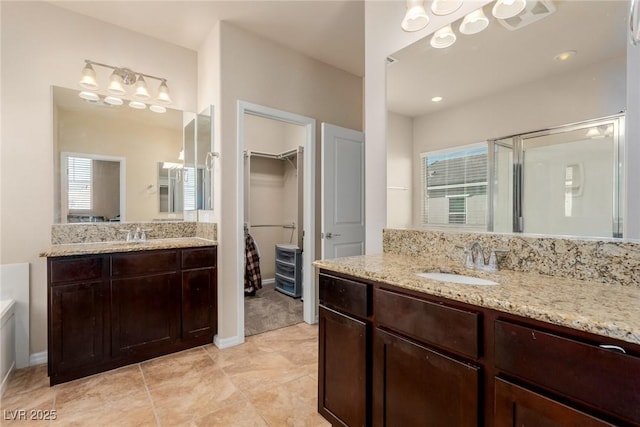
[[399, 170], [259, 71], [43, 45], [596, 91], [383, 36]]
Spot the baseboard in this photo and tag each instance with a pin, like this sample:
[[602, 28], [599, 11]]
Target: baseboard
[[227, 342], [268, 281], [38, 358]]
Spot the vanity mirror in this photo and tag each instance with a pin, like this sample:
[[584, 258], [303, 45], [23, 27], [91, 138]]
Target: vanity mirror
[[529, 92], [106, 160]]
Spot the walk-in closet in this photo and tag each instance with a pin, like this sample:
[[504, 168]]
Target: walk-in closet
[[273, 178]]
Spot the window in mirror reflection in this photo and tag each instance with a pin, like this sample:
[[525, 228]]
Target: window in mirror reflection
[[91, 188], [455, 187]]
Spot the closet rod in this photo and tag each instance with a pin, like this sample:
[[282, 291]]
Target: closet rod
[[274, 225], [281, 156]]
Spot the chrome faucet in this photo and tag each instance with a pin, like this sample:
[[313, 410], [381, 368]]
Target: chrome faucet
[[138, 236], [474, 258]]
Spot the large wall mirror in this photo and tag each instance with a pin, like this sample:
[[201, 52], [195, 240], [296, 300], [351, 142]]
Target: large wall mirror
[[118, 163], [517, 128]]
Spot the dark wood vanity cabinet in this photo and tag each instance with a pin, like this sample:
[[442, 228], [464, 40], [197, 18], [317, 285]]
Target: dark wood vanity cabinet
[[434, 362], [344, 363], [417, 380], [110, 310]]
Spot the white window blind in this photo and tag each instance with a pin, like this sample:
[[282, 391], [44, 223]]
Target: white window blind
[[454, 187], [189, 175], [80, 173]]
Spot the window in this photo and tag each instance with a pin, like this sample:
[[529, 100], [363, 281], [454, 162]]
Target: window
[[455, 187], [80, 173]]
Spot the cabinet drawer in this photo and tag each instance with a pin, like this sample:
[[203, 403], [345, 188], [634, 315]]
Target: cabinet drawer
[[129, 264], [285, 254], [198, 258], [599, 378], [346, 295], [76, 269], [285, 270], [446, 327]]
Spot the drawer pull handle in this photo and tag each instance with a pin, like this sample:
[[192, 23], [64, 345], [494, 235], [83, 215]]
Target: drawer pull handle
[[613, 347]]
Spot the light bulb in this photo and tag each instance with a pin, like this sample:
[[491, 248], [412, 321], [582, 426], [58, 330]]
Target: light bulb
[[141, 89], [116, 84], [443, 38], [416, 17], [163, 93], [88, 78], [474, 22]]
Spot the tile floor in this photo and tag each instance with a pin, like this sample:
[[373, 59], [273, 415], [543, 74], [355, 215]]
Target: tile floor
[[270, 380]]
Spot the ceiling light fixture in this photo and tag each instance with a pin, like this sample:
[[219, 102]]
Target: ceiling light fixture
[[505, 9], [445, 7], [443, 38], [119, 80], [474, 22], [416, 17]]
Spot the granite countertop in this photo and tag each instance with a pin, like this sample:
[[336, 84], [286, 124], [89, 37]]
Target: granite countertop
[[604, 309], [122, 246]]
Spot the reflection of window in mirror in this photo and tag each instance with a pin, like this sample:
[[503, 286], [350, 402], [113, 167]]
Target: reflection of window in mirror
[[90, 188], [454, 186]]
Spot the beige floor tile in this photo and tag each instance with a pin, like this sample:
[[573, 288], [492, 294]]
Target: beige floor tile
[[255, 374], [16, 408], [304, 353], [290, 404], [283, 339], [102, 387], [129, 410], [240, 415], [28, 379], [229, 356], [178, 366], [195, 396]]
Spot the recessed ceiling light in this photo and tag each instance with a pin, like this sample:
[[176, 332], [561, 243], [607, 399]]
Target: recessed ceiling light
[[563, 56], [436, 99]]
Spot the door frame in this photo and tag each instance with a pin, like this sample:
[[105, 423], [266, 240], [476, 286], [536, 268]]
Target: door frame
[[308, 205]]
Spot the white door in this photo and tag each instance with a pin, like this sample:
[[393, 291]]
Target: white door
[[342, 192]]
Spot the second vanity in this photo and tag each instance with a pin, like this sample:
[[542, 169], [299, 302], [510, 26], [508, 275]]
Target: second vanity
[[398, 349], [113, 304]]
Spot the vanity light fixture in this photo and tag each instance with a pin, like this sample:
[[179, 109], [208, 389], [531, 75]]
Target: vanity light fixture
[[443, 38], [445, 7], [563, 56], [89, 96], [505, 9], [119, 80], [113, 100], [157, 109], [416, 17], [88, 77], [138, 105], [474, 22], [436, 99]]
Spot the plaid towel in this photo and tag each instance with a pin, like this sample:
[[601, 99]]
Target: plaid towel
[[252, 277]]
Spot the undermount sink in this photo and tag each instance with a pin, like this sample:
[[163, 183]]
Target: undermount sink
[[457, 278]]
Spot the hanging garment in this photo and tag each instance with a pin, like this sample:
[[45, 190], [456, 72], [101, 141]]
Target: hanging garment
[[252, 277]]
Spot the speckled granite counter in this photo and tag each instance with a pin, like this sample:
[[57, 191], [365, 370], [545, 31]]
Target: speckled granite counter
[[604, 309], [121, 246]]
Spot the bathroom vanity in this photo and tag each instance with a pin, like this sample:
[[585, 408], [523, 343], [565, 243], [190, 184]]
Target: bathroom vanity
[[398, 349], [111, 305]]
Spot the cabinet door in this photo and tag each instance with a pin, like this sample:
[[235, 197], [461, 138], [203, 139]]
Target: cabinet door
[[416, 386], [199, 303], [517, 406], [145, 313], [77, 326], [343, 366]]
